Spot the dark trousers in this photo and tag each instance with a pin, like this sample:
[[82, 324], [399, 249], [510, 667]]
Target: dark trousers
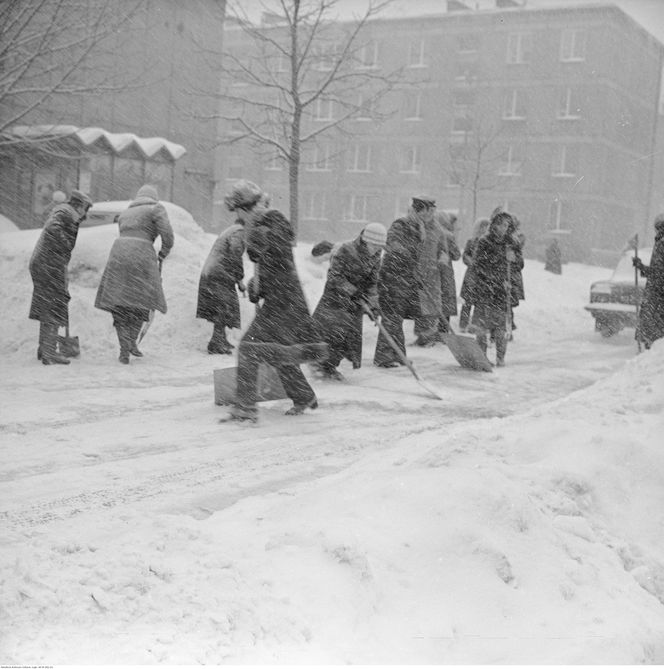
[[499, 335], [250, 355], [464, 317]]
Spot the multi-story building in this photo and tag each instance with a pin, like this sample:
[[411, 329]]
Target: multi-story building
[[550, 112]]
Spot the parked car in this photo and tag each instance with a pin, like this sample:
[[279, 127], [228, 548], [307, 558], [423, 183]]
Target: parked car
[[104, 213], [613, 302]]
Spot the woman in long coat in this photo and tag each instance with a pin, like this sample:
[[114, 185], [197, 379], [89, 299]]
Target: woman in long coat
[[351, 279], [48, 269], [492, 286], [283, 333], [217, 296], [650, 325], [467, 292], [130, 286]]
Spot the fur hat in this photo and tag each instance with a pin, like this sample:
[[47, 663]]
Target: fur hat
[[147, 191], [244, 195], [321, 248], [375, 233], [77, 197], [424, 200]]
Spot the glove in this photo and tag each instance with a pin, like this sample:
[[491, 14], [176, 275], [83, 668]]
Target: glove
[[371, 301], [241, 287], [510, 255], [637, 262], [161, 256], [251, 289]]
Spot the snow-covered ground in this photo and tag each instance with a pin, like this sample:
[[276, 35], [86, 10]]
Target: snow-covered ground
[[518, 520]]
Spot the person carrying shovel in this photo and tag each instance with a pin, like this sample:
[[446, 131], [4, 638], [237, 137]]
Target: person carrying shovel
[[493, 286]]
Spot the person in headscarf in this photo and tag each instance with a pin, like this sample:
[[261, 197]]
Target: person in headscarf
[[130, 286]]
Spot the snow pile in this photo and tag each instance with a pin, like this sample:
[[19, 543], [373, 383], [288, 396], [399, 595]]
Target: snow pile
[[6, 225], [519, 521]]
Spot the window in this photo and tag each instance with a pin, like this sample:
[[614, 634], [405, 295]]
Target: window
[[360, 158], [365, 108], [568, 106], [556, 215], [273, 163], [319, 158], [519, 48], [416, 54], [462, 124], [402, 205], [413, 106], [359, 208], [514, 105], [323, 58], [315, 206], [573, 46], [566, 162], [367, 55], [467, 71], [410, 160], [511, 163], [281, 63], [324, 110]]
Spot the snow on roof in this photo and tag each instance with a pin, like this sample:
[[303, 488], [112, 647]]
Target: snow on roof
[[89, 137]]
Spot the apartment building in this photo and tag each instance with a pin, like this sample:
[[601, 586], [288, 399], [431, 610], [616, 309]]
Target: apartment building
[[550, 112]]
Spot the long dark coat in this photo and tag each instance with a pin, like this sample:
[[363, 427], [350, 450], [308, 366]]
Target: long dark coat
[[516, 242], [448, 298], [131, 278], [651, 313], [467, 292], [400, 281], [353, 274], [48, 266], [217, 297], [284, 316], [491, 274]]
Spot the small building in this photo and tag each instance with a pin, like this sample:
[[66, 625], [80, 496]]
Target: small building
[[40, 159]]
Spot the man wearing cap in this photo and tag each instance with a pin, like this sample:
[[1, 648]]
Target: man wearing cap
[[401, 284], [351, 286], [48, 269]]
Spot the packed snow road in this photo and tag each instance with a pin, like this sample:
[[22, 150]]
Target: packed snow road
[[88, 437]]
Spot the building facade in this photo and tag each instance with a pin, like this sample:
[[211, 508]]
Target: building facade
[[552, 113]]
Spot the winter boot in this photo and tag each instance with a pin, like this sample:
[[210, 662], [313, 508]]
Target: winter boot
[[134, 330], [218, 343], [49, 354], [298, 409], [124, 338]]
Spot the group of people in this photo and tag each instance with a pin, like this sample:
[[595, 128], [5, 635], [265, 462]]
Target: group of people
[[130, 287]]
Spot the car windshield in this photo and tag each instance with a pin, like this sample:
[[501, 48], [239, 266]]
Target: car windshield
[[624, 270]]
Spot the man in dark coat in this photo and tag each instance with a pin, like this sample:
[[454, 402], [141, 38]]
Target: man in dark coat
[[401, 286], [351, 280], [130, 287], [283, 333], [650, 326], [217, 296], [48, 269], [492, 286]]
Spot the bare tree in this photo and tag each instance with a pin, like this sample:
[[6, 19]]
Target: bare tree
[[45, 47], [301, 59]]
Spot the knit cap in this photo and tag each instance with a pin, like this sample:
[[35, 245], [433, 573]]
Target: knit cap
[[375, 233]]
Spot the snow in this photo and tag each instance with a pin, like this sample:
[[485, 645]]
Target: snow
[[7, 225], [516, 521]]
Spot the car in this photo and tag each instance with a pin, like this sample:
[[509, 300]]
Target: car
[[614, 302]]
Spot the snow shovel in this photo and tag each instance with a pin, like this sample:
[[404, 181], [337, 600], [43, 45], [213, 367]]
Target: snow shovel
[[145, 326], [268, 386], [398, 351], [69, 346], [467, 351]]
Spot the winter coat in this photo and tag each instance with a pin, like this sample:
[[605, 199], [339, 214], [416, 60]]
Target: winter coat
[[283, 318], [450, 252], [491, 274], [553, 259], [467, 292], [401, 286], [217, 297], [651, 313], [516, 241], [353, 275], [48, 266], [131, 278]]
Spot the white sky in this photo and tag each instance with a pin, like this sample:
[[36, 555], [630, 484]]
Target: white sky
[[518, 521]]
